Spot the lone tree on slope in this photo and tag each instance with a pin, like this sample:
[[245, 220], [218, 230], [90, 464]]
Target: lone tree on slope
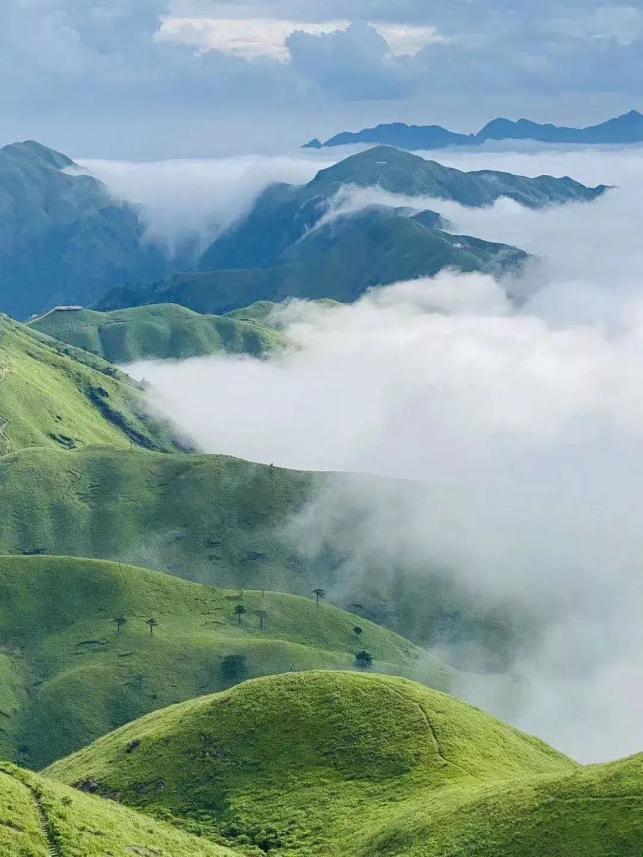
[[119, 621], [239, 611], [153, 623], [261, 616], [357, 631], [363, 660], [319, 595]]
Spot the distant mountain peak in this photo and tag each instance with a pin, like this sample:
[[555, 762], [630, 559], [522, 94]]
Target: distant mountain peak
[[621, 130], [38, 151]]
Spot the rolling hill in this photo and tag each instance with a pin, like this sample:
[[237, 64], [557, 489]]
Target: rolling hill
[[41, 818], [52, 395], [227, 522], [354, 765], [156, 332], [64, 238], [71, 674]]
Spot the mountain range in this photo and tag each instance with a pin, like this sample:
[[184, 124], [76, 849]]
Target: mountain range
[[65, 240], [297, 242], [624, 129]]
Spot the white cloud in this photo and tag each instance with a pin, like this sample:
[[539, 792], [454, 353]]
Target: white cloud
[[254, 37]]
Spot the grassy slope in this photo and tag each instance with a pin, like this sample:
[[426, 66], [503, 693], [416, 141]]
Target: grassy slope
[[40, 818], [71, 677], [345, 764], [220, 521], [159, 332], [56, 396], [358, 257]]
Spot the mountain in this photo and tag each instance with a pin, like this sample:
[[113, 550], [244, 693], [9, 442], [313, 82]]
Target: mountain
[[156, 332], [624, 129], [627, 128], [63, 238], [283, 214], [69, 675], [41, 818], [227, 522], [401, 135], [337, 261], [53, 395], [350, 765], [291, 244]]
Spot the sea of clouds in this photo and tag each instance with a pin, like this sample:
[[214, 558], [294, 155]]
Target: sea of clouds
[[523, 424]]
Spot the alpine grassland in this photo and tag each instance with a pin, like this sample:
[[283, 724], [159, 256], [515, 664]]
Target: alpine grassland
[[346, 764], [227, 522], [156, 332], [53, 395], [41, 818], [87, 645]]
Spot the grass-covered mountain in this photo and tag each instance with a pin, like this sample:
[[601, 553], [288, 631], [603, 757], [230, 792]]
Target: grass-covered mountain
[[63, 237], [289, 246], [338, 261], [349, 765], [228, 523], [156, 332], [53, 395], [69, 673], [41, 818], [627, 128]]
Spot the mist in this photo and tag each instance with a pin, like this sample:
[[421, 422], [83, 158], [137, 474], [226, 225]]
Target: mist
[[521, 426], [187, 203]]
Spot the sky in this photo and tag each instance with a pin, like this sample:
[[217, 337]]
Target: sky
[[148, 79]]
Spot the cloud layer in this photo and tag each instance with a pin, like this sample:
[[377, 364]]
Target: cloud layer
[[524, 428]]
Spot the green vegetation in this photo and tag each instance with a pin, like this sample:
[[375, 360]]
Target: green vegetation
[[226, 522], [156, 332], [57, 396], [340, 261], [69, 673], [343, 764], [40, 818], [64, 238]]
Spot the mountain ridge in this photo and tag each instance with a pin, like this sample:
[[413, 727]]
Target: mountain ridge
[[623, 129]]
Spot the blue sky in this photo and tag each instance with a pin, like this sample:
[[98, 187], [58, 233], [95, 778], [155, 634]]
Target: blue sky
[[153, 78]]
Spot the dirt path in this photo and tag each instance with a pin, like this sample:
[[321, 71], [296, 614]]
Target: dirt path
[[45, 824], [5, 444]]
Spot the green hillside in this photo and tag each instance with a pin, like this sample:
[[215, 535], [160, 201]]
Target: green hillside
[[40, 818], [156, 332], [340, 262], [70, 674], [226, 522], [342, 764], [56, 396]]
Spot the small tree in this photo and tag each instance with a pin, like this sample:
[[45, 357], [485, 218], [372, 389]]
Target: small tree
[[356, 608], [319, 595], [357, 631], [152, 623], [261, 616], [119, 621], [233, 669], [363, 660], [239, 612]]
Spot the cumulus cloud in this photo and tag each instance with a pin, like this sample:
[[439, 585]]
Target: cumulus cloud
[[521, 432]]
